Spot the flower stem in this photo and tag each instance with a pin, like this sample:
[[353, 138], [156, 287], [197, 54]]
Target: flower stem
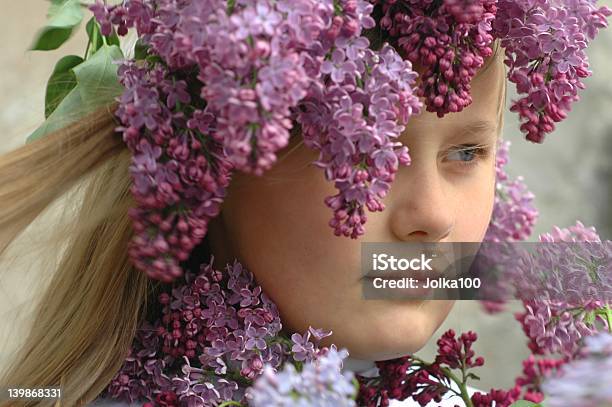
[[462, 387], [464, 394]]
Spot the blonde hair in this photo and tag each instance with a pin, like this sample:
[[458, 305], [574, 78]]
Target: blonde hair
[[87, 316]]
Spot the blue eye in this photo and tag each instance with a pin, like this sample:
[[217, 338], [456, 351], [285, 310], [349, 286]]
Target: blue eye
[[467, 154], [464, 155]]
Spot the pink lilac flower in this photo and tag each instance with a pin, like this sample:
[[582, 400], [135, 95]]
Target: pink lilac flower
[[208, 344], [514, 214], [544, 42], [450, 41], [577, 276], [321, 383], [535, 371], [584, 382], [409, 376], [220, 91]]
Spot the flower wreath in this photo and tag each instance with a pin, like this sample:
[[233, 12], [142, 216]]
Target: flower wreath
[[218, 86]]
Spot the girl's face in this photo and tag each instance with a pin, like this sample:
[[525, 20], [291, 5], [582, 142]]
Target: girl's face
[[277, 226]]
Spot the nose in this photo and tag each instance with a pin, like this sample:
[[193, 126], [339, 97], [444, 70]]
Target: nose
[[420, 206]]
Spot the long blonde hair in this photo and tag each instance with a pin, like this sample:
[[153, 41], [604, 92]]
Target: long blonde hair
[[87, 316]]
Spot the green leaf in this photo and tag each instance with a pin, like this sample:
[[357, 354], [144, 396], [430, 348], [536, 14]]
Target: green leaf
[[113, 39], [95, 36], [140, 50], [63, 17], [525, 403], [97, 85], [97, 78], [61, 82]]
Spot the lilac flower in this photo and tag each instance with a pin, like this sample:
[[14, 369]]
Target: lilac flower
[[198, 345], [302, 348], [319, 334], [320, 383], [544, 45], [360, 155], [449, 41], [208, 345], [513, 215], [338, 67], [255, 338], [571, 292], [576, 233], [584, 382]]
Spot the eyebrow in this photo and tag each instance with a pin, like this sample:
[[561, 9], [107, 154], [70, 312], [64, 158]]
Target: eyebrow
[[477, 127]]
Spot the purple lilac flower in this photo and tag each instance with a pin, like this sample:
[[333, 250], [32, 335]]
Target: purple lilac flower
[[544, 43], [572, 294], [208, 344], [451, 42], [584, 382], [306, 347], [223, 97], [514, 214], [204, 339], [512, 220], [320, 383], [354, 126]]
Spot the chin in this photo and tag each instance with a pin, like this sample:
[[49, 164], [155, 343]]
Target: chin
[[396, 334]]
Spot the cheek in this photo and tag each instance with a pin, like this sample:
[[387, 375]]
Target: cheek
[[474, 207], [278, 227]]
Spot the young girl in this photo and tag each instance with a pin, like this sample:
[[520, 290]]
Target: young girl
[[276, 225]]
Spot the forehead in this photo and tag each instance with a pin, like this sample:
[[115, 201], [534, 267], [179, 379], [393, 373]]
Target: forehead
[[487, 91]]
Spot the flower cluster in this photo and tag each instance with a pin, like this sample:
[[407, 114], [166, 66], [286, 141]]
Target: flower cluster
[[220, 89], [535, 371], [513, 218], [572, 297], [306, 347], [215, 334], [514, 214], [584, 382], [320, 383], [179, 176], [450, 41], [353, 124], [410, 376], [545, 44]]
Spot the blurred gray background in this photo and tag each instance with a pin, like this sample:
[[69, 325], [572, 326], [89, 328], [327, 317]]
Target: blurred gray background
[[570, 173]]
